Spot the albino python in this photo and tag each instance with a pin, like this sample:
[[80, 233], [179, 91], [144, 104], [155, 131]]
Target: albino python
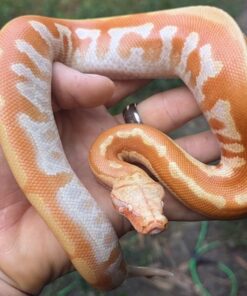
[[201, 45]]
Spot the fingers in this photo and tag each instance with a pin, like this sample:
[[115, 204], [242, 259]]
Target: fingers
[[171, 109], [203, 146], [125, 88], [72, 89], [168, 110]]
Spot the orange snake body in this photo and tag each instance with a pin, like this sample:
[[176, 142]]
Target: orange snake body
[[201, 45]]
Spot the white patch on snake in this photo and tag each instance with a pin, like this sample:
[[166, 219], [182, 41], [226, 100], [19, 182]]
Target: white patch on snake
[[43, 64], [34, 89], [225, 169], [190, 44], [134, 65], [92, 34], [221, 111], [56, 45], [118, 33], [46, 35], [216, 200], [46, 151], [135, 132], [210, 68], [115, 165], [233, 162], [149, 141], [112, 62], [104, 145], [65, 33], [235, 148], [241, 199], [2, 101], [75, 200], [167, 34]]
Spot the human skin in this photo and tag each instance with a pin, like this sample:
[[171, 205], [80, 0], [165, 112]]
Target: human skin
[[80, 102]]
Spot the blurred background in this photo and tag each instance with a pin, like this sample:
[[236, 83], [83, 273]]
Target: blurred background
[[207, 258]]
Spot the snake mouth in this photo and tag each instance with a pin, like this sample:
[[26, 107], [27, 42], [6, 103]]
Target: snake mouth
[[155, 227], [142, 224]]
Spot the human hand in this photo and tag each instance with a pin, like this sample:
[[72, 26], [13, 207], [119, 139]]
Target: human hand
[[30, 255], [27, 247]]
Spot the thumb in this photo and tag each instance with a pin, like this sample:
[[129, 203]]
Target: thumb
[[71, 88]]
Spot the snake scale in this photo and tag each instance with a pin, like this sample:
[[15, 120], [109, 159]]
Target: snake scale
[[201, 45]]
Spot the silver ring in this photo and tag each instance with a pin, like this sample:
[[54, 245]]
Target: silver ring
[[131, 115]]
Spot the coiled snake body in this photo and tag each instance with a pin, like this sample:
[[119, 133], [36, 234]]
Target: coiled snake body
[[201, 45]]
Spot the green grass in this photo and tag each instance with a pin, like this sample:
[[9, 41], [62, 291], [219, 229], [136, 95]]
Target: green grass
[[96, 8]]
